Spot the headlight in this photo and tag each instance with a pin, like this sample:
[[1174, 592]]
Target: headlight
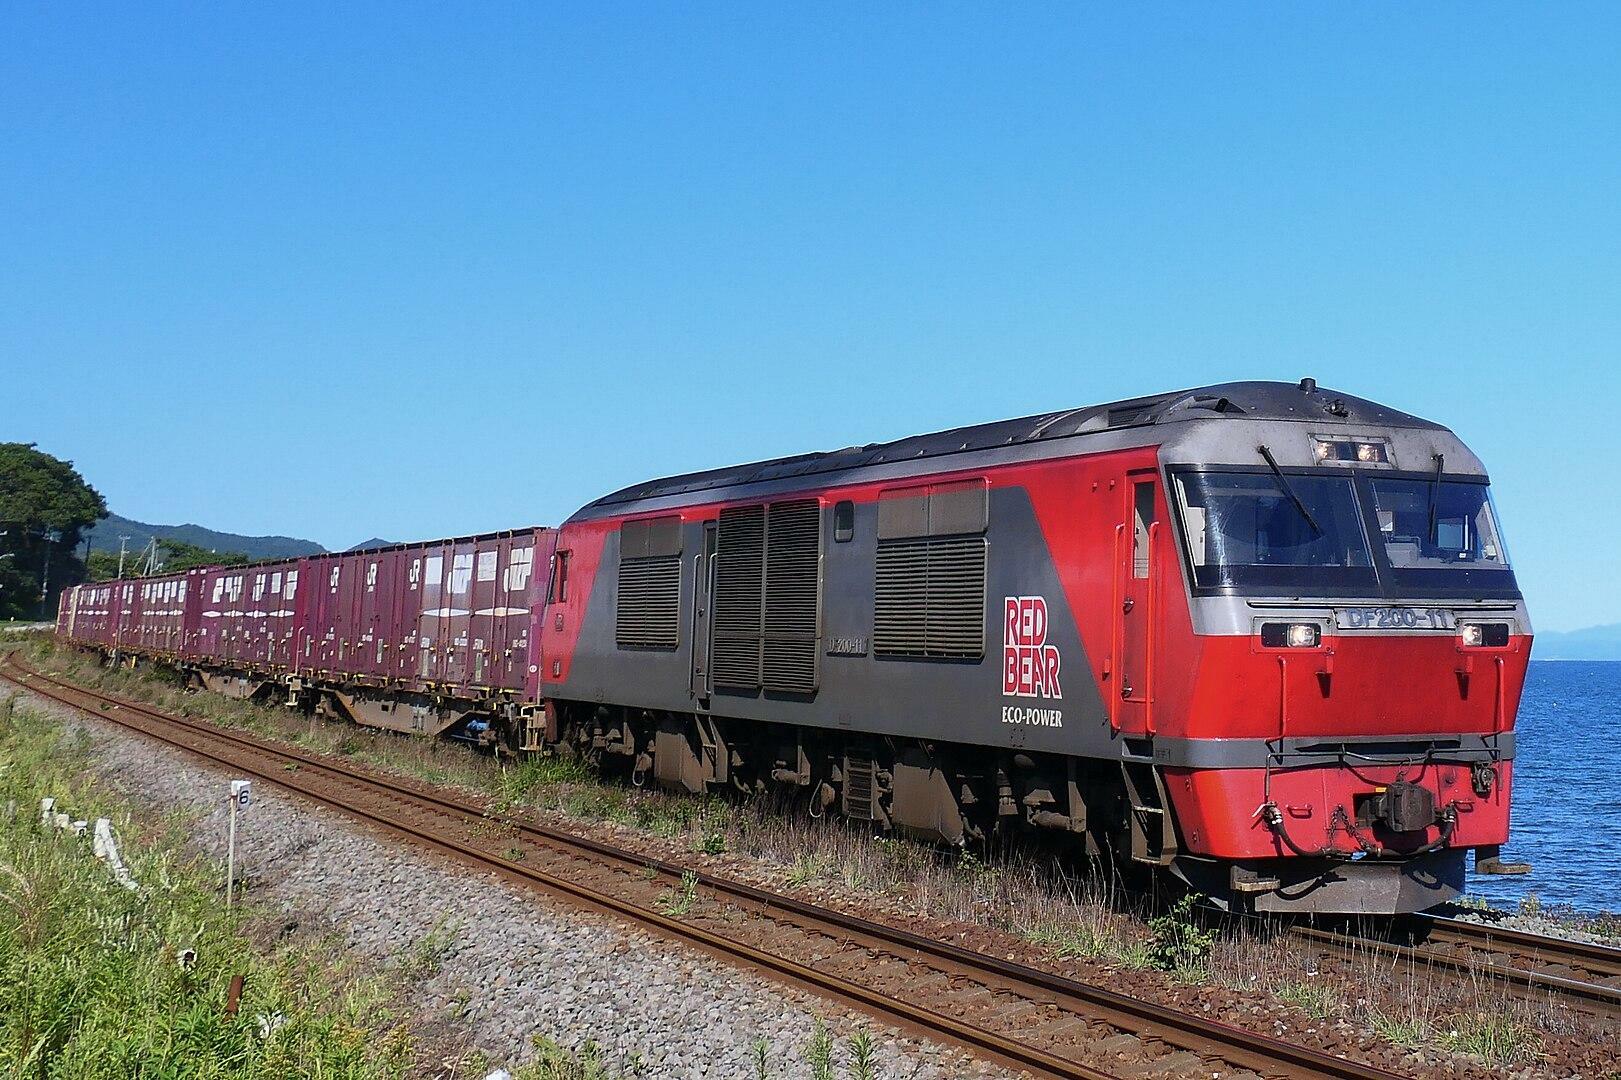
[[1303, 635], [1368, 452], [1484, 635], [1277, 635]]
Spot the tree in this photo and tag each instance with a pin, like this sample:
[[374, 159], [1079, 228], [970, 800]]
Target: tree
[[177, 555], [173, 556], [44, 505]]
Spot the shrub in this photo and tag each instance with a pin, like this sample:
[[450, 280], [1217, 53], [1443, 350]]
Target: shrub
[[1179, 943]]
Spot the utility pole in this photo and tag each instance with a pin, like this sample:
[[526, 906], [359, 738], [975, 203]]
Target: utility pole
[[123, 544], [52, 538]]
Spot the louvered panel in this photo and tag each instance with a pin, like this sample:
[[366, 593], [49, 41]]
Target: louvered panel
[[739, 593], [792, 616], [956, 611], [929, 598], [900, 599], [649, 615]]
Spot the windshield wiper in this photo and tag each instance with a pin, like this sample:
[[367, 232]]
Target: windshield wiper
[[1283, 482], [1435, 495]]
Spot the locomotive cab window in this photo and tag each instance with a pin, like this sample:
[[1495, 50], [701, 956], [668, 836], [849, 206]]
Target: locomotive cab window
[[1438, 535], [557, 591], [1428, 524], [1142, 500], [1258, 529]]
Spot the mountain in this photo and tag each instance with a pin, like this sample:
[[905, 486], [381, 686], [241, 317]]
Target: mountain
[[1593, 643], [105, 537], [374, 542]]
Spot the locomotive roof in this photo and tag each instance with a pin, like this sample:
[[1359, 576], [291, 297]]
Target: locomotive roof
[[1245, 400]]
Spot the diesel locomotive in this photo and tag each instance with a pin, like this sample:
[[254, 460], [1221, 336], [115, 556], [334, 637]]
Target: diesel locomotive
[[1263, 636]]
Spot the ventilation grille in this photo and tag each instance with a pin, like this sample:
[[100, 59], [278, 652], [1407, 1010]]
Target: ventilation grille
[[929, 600], [739, 598], [860, 783], [793, 595], [768, 597], [649, 614]]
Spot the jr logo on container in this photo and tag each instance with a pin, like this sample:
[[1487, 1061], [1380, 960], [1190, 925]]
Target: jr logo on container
[[1029, 664]]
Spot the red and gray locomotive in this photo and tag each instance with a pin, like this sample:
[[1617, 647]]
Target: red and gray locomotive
[[1265, 636]]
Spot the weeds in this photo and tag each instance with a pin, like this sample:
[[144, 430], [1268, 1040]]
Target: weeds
[[676, 902], [554, 1062], [429, 954], [819, 1051], [1497, 1038], [1180, 945], [97, 981], [863, 1063], [1315, 999], [711, 842], [1405, 1031]]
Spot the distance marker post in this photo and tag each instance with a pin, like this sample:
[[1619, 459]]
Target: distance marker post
[[241, 796]]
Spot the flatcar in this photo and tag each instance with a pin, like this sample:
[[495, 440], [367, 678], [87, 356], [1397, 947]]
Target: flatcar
[[1265, 637]]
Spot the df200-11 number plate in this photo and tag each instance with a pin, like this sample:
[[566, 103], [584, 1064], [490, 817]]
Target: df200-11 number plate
[[1395, 618]]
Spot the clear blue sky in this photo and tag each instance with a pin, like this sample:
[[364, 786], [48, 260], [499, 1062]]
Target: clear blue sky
[[415, 270]]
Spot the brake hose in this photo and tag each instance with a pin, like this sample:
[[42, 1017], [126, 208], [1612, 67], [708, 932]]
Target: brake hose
[[1273, 817], [1449, 822]]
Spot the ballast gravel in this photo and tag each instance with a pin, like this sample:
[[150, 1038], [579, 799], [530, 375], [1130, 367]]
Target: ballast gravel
[[1545, 925], [501, 964]]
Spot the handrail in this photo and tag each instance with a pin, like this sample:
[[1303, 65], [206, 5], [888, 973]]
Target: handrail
[[1150, 631], [1117, 619], [1283, 697], [1500, 708]]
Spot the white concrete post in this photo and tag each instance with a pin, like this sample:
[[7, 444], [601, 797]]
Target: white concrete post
[[240, 797]]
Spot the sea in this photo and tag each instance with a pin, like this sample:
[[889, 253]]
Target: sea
[[1565, 819]]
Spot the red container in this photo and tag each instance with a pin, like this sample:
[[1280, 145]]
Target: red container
[[280, 605], [452, 618], [160, 624]]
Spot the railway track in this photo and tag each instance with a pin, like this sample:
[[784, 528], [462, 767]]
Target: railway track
[[1576, 974], [1048, 1025]]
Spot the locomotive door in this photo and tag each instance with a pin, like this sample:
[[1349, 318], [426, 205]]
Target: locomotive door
[[1136, 570], [702, 590]]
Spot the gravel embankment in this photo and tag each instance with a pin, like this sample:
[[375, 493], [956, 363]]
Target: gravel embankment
[[507, 965], [1547, 925]]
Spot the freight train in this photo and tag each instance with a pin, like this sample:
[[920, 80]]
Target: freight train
[[1264, 636]]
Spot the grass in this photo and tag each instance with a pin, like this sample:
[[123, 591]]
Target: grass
[[1317, 1000], [1409, 1006], [428, 955], [553, 1061], [98, 981]]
